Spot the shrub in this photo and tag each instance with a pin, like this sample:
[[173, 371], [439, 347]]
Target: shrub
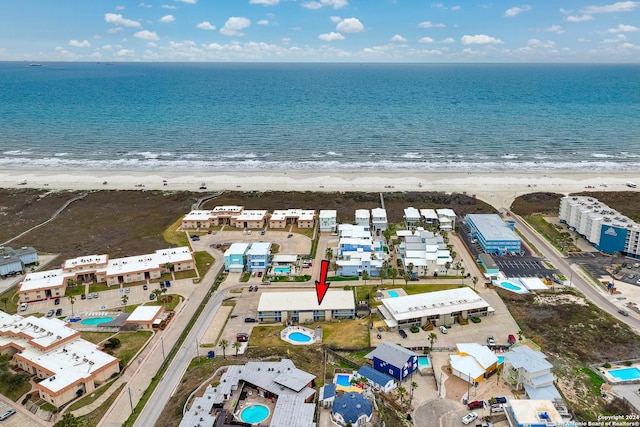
[[414, 329], [606, 365], [628, 363]]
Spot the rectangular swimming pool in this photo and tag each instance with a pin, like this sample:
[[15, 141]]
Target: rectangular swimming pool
[[393, 294], [343, 380], [625, 374]]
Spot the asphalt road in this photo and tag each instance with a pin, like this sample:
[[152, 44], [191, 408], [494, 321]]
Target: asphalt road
[[597, 296]]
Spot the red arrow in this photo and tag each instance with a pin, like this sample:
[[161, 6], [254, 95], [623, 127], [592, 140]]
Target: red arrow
[[322, 286]]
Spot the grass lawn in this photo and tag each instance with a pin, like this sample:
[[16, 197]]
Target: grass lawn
[[88, 399], [169, 305], [96, 337], [411, 289], [343, 334], [9, 300], [204, 261], [189, 274], [130, 344], [17, 393], [304, 231], [172, 235]]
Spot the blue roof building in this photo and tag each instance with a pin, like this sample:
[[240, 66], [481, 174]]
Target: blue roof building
[[14, 260], [377, 379], [493, 234], [352, 408], [393, 360]]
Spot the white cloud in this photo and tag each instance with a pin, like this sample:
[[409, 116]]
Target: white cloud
[[471, 52], [554, 29], [168, 6], [336, 4], [515, 11], [167, 18], [621, 6], [117, 19], [581, 18], [262, 22], [438, 5], [125, 52], [76, 43], [480, 39], [398, 38], [350, 25], [265, 2], [619, 38], [119, 7], [188, 1], [426, 40], [330, 37], [622, 28], [146, 6], [539, 43], [454, 8], [146, 35], [429, 24], [234, 26], [206, 25], [449, 40], [335, 19]]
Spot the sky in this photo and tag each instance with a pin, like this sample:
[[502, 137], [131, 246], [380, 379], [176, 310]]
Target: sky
[[321, 31]]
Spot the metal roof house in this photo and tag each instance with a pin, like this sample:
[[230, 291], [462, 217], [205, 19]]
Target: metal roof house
[[377, 379], [14, 260], [393, 360], [352, 408]]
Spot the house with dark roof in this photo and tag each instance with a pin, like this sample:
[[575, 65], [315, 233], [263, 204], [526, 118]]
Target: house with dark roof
[[351, 408], [377, 379], [393, 360], [327, 395]]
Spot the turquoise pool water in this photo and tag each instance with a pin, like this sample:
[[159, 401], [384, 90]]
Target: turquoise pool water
[[500, 359], [510, 286], [625, 374], [282, 270], [393, 294], [92, 321], [343, 380], [299, 337], [423, 361], [254, 414]]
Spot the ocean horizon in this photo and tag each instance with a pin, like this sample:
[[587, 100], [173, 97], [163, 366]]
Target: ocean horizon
[[320, 116]]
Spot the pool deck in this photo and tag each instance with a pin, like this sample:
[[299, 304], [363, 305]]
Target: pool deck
[[606, 375], [315, 335], [385, 293]]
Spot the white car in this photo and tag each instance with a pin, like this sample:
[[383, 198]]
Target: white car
[[23, 306], [443, 329], [469, 418]]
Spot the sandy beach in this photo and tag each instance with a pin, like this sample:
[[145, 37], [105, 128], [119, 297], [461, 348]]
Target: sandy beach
[[497, 188]]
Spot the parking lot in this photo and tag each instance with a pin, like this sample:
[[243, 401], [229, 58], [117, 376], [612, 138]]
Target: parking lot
[[18, 419], [522, 266], [597, 265]]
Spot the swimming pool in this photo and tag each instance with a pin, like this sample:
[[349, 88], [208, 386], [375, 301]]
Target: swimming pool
[[500, 360], [625, 374], [253, 414], [393, 294], [282, 270], [92, 321], [299, 337], [343, 380], [512, 286], [423, 361]]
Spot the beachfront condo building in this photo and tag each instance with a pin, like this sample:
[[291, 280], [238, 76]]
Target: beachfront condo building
[[328, 220], [494, 235], [303, 307], [301, 218], [42, 285], [605, 228], [423, 253], [446, 219], [64, 365]]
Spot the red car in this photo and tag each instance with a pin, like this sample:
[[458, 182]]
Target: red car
[[475, 404], [512, 339]]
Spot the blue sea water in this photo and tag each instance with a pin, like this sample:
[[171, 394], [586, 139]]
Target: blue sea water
[[214, 116]]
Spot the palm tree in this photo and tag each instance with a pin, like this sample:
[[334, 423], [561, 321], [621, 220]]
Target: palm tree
[[432, 338], [72, 283], [365, 276], [237, 346], [406, 276], [401, 393], [411, 267], [168, 267], [414, 385], [157, 293], [383, 275], [393, 273], [447, 265], [164, 299], [72, 300], [125, 299], [474, 280], [329, 253], [223, 344]]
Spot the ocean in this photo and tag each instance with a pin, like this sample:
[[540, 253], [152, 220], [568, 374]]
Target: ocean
[[343, 117]]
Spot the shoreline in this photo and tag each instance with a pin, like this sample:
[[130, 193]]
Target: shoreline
[[496, 188]]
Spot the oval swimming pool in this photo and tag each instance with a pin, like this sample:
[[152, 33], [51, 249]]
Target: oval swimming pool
[[254, 414], [92, 321], [299, 337]]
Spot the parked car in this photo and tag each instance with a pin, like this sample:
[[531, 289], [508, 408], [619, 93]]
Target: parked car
[[511, 339], [249, 320], [167, 283], [262, 233], [469, 418], [475, 404], [490, 340], [623, 312], [56, 301], [242, 337], [23, 306], [127, 290], [443, 329], [499, 399], [145, 287], [290, 236], [379, 336], [497, 408], [50, 313], [89, 296], [95, 295], [402, 333], [83, 296], [59, 312], [7, 414]]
